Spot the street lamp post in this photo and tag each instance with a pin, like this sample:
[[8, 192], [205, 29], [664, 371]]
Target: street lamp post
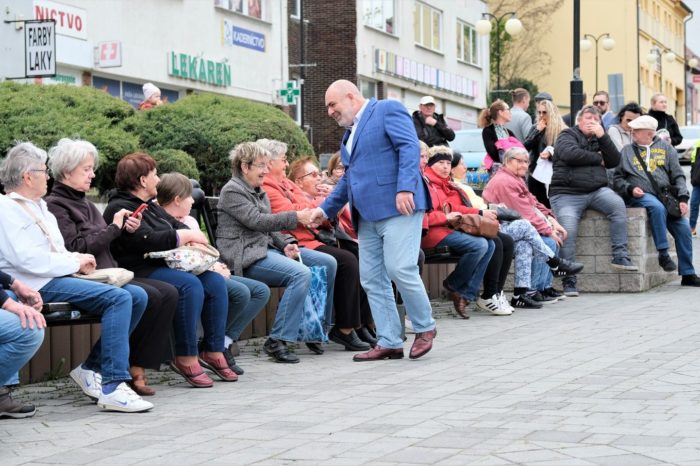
[[653, 58], [513, 26], [608, 44]]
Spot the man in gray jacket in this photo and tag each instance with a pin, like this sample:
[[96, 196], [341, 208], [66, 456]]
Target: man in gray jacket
[[631, 181], [521, 121]]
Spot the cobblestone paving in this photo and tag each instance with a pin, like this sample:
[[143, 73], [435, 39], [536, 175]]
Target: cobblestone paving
[[596, 380]]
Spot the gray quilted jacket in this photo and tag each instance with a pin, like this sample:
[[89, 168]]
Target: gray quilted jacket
[[247, 228]]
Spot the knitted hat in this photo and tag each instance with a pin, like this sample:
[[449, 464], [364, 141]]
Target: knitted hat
[[435, 158], [149, 90]]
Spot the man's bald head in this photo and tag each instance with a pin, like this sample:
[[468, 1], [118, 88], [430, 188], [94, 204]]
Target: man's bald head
[[343, 102]]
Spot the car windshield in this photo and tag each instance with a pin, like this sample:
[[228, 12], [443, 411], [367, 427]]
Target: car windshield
[[468, 141], [690, 132]]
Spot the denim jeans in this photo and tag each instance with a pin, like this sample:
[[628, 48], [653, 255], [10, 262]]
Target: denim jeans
[[201, 296], [246, 298], [659, 221], [276, 269], [17, 346], [389, 251], [118, 316], [694, 206], [569, 209], [475, 253], [542, 277], [528, 247]]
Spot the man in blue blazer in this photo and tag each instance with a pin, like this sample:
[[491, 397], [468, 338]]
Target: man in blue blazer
[[384, 187]]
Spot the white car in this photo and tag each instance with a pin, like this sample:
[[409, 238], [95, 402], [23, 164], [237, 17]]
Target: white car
[[691, 135]]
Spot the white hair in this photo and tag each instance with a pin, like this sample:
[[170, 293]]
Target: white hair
[[65, 156], [23, 157]]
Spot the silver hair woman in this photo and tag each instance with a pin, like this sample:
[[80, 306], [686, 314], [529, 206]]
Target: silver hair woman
[[68, 154], [23, 158], [245, 155]]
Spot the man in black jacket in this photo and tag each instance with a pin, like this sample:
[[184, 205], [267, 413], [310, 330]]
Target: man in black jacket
[[579, 182], [430, 126]]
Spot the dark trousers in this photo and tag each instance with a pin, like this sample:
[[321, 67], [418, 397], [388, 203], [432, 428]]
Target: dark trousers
[[148, 342], [346, 299], [497, 270], [539, 190], [365, 310]]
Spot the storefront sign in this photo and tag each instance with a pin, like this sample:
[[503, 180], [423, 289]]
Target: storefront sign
[[39, 48], [182, 65], [234, 35], [108, 54], [70, 21]]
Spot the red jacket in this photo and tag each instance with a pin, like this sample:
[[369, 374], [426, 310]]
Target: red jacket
[[446, 198], [285, 196], [509, 189]]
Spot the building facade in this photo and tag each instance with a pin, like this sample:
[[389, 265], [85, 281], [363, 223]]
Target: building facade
[[230, 47], [392, 49], [640, 64]]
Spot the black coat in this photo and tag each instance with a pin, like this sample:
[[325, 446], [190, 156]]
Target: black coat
[[488, 135], [156, 233], [580, 162], [535, 144], [437, 135], [667, 122]]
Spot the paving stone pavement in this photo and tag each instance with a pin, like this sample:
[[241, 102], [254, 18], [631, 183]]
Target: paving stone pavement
[[604, 379]]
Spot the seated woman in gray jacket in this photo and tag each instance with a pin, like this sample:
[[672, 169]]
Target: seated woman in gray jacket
[[252, 246]]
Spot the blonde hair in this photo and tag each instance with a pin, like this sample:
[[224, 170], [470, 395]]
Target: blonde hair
[[555, 124], [246, 153]]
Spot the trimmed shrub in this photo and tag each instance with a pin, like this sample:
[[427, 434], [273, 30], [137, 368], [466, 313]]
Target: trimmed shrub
[[208, 126], [45, 114], [174, 160]]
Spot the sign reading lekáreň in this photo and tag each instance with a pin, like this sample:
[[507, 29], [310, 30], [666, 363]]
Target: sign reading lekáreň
[[39, 48]]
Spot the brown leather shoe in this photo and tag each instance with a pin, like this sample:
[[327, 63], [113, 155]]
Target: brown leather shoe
[[422, 344], [139, 384], [378, 353], [458, 301]]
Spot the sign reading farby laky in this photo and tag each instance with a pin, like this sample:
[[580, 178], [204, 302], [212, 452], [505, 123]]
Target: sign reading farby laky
[[70, 21], [40, 48]]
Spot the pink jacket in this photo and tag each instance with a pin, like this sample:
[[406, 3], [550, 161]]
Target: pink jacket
[[511, 190]]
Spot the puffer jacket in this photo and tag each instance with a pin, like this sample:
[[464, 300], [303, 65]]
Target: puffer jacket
[[580, 162], [663, 164]]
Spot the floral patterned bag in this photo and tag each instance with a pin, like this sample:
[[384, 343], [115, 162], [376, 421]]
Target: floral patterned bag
[[196, 259]]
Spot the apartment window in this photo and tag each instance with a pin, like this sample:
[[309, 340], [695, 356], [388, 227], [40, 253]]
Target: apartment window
[[368, 89], [379, 14], [467, 43], [252, 8], [427, 26]]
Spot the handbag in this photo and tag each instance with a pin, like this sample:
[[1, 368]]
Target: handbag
[[666, 196], [312, 325], [506, 214], [195, 259], [475, 225], [115, 276], [327, 237]]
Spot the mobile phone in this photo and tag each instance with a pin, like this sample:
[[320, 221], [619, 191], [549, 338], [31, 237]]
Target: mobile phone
[[140, 209]]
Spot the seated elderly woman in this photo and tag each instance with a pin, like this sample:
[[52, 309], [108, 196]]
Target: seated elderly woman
[[251, 243], [286, 196], [32, 250], [73, 164], [201, 296], [648, 167], [21, 333], [507, 187], [246, 297], [334, 171]]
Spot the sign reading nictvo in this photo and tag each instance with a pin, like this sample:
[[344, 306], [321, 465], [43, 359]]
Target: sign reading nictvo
[[182, 65]]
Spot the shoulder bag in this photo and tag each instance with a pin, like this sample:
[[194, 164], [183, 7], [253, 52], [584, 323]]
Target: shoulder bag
[[666, 196], [475, 225]]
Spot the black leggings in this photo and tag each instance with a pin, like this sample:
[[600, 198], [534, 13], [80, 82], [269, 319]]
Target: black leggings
[[148, 343], [499, 265], [365, 311]]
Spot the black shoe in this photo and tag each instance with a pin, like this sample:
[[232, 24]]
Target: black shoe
[[365, 334], [567, 268], [623, 263], [315, 348], [524, 302], [231, 361], [540, 297], [279, 351], [351, 341], [553, 293], [690, 280], [667, 263]]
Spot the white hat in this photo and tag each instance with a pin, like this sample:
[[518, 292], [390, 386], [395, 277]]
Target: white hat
[[149, 89], [644, 122], [427, 100]]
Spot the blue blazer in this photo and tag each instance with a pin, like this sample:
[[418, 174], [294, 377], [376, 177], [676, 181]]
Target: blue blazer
[[385, 160]]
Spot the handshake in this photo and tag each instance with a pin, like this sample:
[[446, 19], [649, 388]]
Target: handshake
[[311, 218]]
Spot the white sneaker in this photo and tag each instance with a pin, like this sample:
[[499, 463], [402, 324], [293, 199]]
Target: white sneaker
[[409, 326], [123, 399], [505, 302], [492, 305], [89, 381]]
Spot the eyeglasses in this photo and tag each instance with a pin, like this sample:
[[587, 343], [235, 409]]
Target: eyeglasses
[[521, 160], [599, 102], [45, 171], [314, 174], [261, 166], [339, 168]]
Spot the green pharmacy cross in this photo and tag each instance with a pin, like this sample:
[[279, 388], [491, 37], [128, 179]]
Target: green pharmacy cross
[[291, 93]]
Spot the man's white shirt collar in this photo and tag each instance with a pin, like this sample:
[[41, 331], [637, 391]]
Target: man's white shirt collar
[[355, 121]]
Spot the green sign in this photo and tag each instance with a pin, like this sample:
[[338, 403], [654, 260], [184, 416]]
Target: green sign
[[290, 93], [199, 69]]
